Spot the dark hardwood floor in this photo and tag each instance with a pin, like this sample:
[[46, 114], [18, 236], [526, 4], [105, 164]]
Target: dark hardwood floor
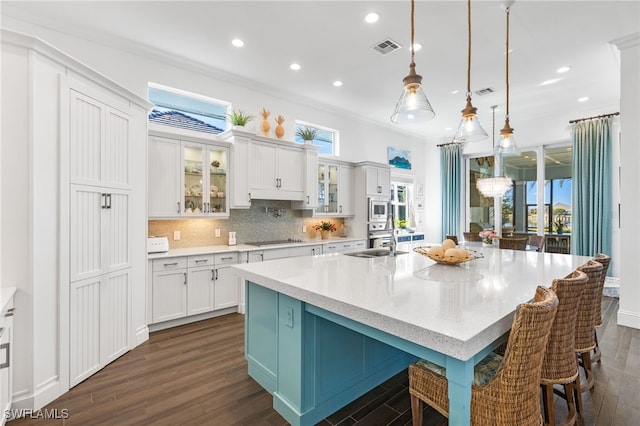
[[196, 375]]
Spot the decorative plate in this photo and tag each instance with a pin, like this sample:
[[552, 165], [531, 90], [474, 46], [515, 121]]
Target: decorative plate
[[447, 260]]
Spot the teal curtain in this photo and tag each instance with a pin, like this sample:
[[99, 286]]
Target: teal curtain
[[591, 210], [451, 180]]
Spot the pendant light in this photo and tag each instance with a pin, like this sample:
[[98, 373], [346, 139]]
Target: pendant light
[[413, 105], [469, 129], [507, 142], [497, 185]]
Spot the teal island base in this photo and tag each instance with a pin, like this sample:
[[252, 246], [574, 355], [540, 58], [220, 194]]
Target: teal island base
[[312, 361]]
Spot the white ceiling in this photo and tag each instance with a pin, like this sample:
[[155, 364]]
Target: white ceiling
[[331, 41]]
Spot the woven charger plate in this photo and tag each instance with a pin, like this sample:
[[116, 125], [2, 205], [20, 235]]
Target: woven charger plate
[[447, 260]]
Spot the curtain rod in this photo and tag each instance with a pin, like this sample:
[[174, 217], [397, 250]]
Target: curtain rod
[[447, 144], [591, 118]]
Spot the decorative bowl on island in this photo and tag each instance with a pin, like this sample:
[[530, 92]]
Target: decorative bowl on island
[[448, 257]]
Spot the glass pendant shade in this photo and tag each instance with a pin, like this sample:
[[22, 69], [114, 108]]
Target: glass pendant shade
[[413, 105], [507, 143], [494, 186], [470, 129]]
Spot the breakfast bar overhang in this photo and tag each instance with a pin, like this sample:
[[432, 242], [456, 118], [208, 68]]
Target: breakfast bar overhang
[[323, 330]]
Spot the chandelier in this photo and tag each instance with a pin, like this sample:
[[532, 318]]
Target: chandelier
[[469, 129], [498, 185], [413, 105]]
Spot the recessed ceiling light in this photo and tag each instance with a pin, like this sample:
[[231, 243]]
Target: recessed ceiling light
[[455, 92], [416, 47], [237, 42], [448, 129], [371, 18], [563, 70], [547, 82], [294, 66], [583, 99], [337, 83]]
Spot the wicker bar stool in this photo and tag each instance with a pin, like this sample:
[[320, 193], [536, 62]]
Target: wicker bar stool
[[471, 236], [585, 329], [513, 243], [604, 260], [453, 238], [537, 241], [511, 396], [560, 365]]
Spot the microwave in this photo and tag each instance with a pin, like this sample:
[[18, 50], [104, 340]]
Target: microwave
[[378, 210]]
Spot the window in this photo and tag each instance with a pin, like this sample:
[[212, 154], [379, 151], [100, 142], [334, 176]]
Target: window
[[327, 139], [401, 203], [178, 108]]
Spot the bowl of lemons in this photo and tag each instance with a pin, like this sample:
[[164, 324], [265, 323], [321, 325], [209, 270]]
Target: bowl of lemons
[[447, 253]]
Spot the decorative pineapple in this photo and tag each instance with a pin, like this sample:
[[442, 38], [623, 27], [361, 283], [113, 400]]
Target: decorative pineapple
[[265, 122], [279, 128]]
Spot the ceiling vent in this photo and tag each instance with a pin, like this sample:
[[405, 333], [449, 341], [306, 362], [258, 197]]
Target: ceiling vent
[[386, 46], [485, 91]]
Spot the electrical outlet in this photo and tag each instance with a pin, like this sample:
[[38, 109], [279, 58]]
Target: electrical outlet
[[304, 228], [176, 235], [217, 233]]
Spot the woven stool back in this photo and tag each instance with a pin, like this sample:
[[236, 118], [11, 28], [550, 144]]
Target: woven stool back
[[585, 327], [471, 236], [604, 260], [513, 243]]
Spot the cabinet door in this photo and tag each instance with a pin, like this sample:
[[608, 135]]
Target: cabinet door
[[115, 315], [200, 284], [347, 190], [193, 178], [384, 181], [262, 168], [291, 172], [6, 360], [239, 185], [169, 295], [99, 231], [217, 191], [99, 143], [164, 183], [84, 329], [226, 288]]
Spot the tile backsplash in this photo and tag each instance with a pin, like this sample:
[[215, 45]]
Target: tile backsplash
[[253, 224]]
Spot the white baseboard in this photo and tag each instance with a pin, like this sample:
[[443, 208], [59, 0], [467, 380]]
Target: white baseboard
[[43, 396], [142, 335], [193, 318], [629, 319]]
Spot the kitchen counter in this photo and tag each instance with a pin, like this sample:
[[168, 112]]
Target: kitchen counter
[[222, 248], [451, 315]]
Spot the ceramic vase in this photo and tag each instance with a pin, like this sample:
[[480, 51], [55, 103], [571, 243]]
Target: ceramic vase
[[279, 128], [324, 234], [265, 126]]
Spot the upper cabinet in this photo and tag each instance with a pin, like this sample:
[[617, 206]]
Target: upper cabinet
[[378, 181], [269, 169], [335, 189], [187, 176]]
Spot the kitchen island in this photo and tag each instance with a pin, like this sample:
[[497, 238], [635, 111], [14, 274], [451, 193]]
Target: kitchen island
[[323, 330]]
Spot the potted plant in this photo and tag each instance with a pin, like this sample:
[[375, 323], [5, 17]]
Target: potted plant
[[239, 118], [308, 134], [325, 227]]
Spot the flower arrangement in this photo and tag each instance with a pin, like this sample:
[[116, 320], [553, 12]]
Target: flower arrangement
[[325, 226], [488, 235]]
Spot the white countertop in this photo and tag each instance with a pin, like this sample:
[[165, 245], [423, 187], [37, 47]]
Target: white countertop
[[456, 310], [221, 248]]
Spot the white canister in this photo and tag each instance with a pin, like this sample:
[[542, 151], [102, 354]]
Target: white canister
[[232, 238]]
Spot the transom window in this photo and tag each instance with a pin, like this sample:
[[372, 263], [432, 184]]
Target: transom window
[[326, 139], [179, 108]]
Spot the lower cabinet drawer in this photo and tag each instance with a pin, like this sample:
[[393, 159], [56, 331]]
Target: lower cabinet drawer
[[169, 263]]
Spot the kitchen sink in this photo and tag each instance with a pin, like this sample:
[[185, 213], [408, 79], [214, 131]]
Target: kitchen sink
[[373, 253]]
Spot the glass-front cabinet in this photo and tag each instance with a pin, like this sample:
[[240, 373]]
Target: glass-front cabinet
[[187, 177], [335, 187], [205, 179]]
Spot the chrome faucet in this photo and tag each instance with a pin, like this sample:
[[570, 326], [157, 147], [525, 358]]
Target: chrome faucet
[[392, 242]]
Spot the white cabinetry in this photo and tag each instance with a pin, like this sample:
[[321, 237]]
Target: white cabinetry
[[6, 357], [100, 246], [187, 175], [75, 229], [276, 172], [344, 246], [378, 181], [346, 195], [192, 285], [268, 169], [335, 188]]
